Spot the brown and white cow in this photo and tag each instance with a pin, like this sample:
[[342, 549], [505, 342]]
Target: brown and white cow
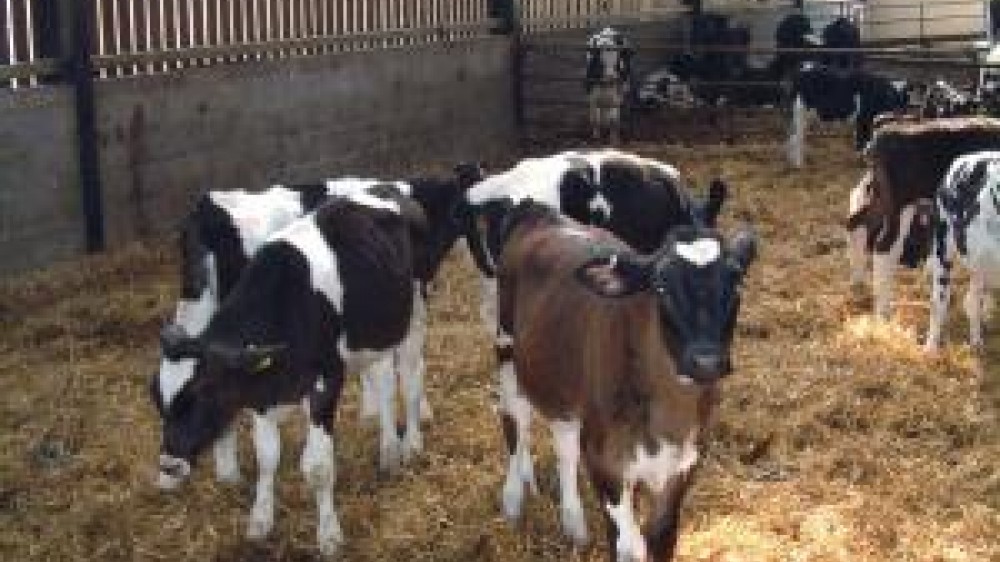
[[892, 208], [622, 354]]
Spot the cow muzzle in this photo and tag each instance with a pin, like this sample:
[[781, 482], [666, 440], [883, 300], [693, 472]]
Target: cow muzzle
[[173, 472], [705, 364]]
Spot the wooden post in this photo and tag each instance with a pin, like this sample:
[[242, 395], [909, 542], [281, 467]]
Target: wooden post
[[509, 13], [76, 32]]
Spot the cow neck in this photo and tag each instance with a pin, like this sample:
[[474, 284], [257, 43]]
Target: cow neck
[[672, 408]]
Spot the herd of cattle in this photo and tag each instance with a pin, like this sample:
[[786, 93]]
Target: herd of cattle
[[807, 79], [602, 252]]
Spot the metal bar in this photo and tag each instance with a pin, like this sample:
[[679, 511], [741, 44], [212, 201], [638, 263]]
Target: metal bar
[[25, 70]]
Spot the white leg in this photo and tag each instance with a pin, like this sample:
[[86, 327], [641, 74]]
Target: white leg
[[227, 465], [411, 370], [382, 372], [369, 396], [631, 545], [267, 442], [566, 440], [974, 308], [797, 134], [884, 266], [520, 470], [319, 467], [488, 306], [940, 273], [857, 239]]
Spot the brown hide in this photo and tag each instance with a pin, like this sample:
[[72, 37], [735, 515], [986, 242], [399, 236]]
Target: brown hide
[[579, 355], [909, 159]]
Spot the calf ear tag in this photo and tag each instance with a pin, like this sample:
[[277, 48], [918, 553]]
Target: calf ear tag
[[263, 364]]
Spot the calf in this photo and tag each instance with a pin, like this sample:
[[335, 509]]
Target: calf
[[608, 69], [217, 238], [835, 94], [892, 208], [967, 225], [622, 354], [330, 293], [637, 198]]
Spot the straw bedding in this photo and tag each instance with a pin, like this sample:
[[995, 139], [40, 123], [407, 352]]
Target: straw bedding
[[837, 439]]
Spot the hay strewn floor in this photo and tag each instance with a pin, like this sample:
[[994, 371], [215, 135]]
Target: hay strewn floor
[[838, 439]]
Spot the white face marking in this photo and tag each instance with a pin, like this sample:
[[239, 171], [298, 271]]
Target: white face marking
[[701, 252], [600, 204]]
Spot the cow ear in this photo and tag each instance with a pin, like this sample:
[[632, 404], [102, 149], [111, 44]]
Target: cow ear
[[744, 248], [175, 343], [614, 275], [469, 174]]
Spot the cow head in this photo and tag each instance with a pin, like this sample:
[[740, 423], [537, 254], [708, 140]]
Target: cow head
[[695, 279], [608, 58], [199, 411]]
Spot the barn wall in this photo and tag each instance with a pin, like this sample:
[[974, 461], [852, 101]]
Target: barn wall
[[165, 138], [40, 218]]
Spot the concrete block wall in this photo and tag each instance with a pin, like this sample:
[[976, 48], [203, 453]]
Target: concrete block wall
[[165, 138]]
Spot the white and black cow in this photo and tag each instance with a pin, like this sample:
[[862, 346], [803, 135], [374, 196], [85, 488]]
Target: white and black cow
[[226, 229], [835, 94], [892, 208], [608, 72], [217, 239], [637, 198], [943, 99], [967, 226], [621, 353], [330, 293]]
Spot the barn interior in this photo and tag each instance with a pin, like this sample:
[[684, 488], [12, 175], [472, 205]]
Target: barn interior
[[838, 438]]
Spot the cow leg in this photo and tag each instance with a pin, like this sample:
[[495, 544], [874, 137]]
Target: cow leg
[[516, 412], [940, 263], [566, 440], [857, 233], [369, 396], [227, 465], [661, 531], [267, 443], [389, 447], [974, 305], [884, 265], [488, 306], [797, 134], [411, 359], [318, 461], [615, 125], [630, 544]]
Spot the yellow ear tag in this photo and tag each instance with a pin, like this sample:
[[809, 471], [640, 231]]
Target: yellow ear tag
[[264, 364]]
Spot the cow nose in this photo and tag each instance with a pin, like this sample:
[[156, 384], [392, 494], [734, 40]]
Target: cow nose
[[707, 363]]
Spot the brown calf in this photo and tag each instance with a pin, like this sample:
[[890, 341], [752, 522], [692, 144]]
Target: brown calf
[[621, 353]]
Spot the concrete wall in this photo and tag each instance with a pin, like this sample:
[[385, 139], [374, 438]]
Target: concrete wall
[[40, 218], [165, 138]]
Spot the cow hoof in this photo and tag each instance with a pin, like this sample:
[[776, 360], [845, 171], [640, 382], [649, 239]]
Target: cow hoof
[[329, 544], [413, 444], [575, 527], [259, 528], [931, 348], [426, 413], [511, 500], [229, 477]]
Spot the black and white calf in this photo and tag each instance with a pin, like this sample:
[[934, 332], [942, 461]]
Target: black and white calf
[[217, 239], [967, 226], [608, 71], [835, 94], [638, 199], [331, 293]]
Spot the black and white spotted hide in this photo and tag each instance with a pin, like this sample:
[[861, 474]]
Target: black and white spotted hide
[[967, 227], [943, 99], [608, 70]]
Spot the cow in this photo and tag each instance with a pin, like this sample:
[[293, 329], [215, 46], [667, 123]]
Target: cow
[[622, 354], [330, 293], [227, 227], [967, 225], [835, 94], [637, 198], [609, 64], [943, 99], [893, 207], [216, 239]]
